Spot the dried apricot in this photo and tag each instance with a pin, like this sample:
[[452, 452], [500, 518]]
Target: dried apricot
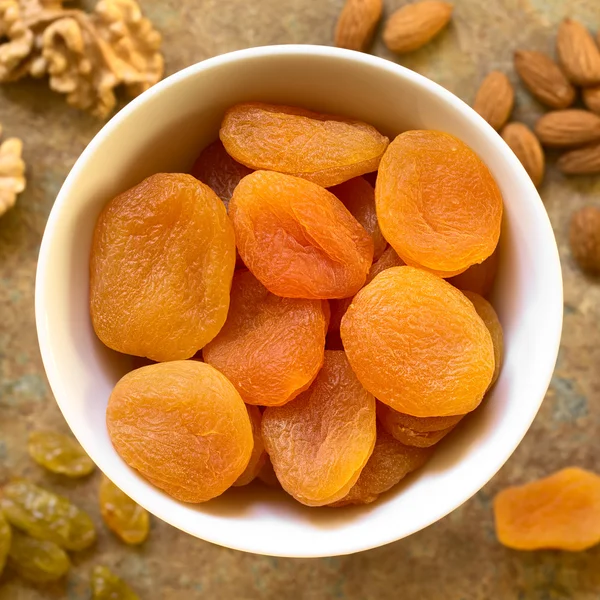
[[267, 474], [390, 462], [107, 586], [258, 456], [478, 278], [126, 518], [46, 516], [5, 538], [388, 259], [59, 453], [39, 561], [437, 202], [270, 348], [488, 315], [358, 197], [417, 344], [219, 171], [297, 238], [559, 512], [161, 265], [183, 426], [324, 149], [420, 432], [320, 442]]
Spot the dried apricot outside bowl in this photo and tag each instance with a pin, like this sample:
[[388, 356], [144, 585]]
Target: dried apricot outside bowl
[[164, 130]]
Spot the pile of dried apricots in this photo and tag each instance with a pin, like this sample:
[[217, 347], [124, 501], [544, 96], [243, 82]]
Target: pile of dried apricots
[[312, 301]]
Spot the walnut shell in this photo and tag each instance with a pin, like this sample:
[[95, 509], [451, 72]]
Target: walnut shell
[[584, 236]]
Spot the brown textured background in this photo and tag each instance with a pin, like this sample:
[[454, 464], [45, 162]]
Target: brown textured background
[[457, 558]]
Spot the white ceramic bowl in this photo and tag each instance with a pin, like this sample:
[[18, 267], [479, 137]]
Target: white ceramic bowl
[[164, 130]]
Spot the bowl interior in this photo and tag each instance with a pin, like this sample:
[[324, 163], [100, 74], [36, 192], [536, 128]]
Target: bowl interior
[[164, 130]]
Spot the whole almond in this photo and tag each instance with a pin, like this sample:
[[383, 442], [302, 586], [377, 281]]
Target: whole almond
[[584, 237], [583, 161], [570, 127], [578, 53], [413, 25], [591, 98], [495, 99], [357, 23], [544, 78], [527, 147]]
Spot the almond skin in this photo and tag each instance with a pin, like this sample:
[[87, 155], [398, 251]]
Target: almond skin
[[583, 161], [527, 148], [591, 98], [544, 79], [571, 127], [413, 25], [584, 236], [357, 23], [578, 53], [495, 99]]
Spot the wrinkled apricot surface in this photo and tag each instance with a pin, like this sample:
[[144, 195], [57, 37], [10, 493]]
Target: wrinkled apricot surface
[[183, 426], [270, 348], [338, 308], [437, 202], [324, 149], [560, 512], [478, 278], [358, 196], [219, 171], [320, 442], [417, 344], [259, 455], [420, 432], [161, 264], [267, 474], [390, 462], [297, 238], [488, 315]]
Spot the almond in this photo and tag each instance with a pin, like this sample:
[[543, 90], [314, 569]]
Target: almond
[[544, 79], [591, 98], [578, 53], [495, 99], [413, 25], [583, 161], [357, 23], [571, 127], [523, 142], [584, 237]]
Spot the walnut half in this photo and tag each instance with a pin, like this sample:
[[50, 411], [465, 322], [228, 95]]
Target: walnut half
[[12, 172]]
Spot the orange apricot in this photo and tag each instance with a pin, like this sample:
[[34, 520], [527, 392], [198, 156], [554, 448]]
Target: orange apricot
[[259, 455], [478, 278]]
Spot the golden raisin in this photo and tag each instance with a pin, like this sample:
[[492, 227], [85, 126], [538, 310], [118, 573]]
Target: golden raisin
[[59, 453], [183, 426], [39, 561], [161, 265], [107, 586]]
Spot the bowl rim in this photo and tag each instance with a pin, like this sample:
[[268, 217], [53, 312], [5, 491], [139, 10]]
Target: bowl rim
[[384, 535]]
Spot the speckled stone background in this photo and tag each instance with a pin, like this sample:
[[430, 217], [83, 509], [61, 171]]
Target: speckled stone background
[[457, 558]]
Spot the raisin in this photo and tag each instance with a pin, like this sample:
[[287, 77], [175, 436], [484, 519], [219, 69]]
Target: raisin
[[107, 586], [162, 260], [46, 516], [358, 197], [488, 315], [324, 149], [298, 239], [219, 171], [127, 519], [59, 453], [270, 348], [320, 442], [418, 345], [437, 202], [390, 462], [559, 512], [259, 456], [40, 561], [183, 426], [420, 432]]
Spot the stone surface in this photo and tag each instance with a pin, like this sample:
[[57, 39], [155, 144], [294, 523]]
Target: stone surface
[[457, 558]]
